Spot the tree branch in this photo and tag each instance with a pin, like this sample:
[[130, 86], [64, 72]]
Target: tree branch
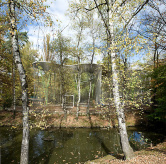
[[3, 3], [95, 7], [158, 10], [123, 2], [106, 25], [136, 12]]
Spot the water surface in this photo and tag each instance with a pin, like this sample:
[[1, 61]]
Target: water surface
[[69, 145]]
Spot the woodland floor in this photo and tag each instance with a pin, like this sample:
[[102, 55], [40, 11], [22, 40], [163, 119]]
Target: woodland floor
[[151, 155], [53, 116]]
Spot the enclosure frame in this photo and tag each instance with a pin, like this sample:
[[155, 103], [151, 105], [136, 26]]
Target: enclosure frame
[[72, 102]]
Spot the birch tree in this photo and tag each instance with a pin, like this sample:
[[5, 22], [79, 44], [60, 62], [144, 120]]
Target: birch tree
[[113, 7], [32, 9], [24, 85], [78, 56], [79, 24], [120, 16], [94, 27]]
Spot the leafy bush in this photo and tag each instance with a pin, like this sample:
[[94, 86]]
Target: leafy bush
[[159, 93]]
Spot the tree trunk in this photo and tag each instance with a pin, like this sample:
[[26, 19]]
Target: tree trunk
[[89, 96], [90, 80], [17, 59], [127, 150], [79, 92], [14, 90]]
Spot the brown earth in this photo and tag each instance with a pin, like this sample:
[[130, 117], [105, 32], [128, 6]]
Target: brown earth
[[53, 116]]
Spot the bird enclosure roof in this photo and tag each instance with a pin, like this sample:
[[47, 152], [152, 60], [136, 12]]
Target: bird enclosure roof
[[46, 66]]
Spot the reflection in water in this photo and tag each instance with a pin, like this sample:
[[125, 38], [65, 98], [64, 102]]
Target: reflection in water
[[68, 145]]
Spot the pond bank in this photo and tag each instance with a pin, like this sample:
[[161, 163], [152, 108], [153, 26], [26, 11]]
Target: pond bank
[[156, 155], [68, 145], [46, 118]]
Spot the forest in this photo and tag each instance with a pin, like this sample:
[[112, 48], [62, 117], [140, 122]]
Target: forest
[[90, 80]]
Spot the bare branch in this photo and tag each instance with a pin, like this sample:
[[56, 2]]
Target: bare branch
[[158, 10], [95, 7], [106, 25], [136, 12], [123, 2], [3, 3]]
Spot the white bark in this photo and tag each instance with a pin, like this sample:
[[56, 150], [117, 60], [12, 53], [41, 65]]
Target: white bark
[[14, 90], [79, 92], [127, 150], [89, 96], [17, 60]]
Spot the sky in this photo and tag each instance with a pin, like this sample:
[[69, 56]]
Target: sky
[[62, 22], [57, 12]]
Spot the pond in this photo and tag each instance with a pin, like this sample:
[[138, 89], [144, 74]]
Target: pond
[[70, 145]]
